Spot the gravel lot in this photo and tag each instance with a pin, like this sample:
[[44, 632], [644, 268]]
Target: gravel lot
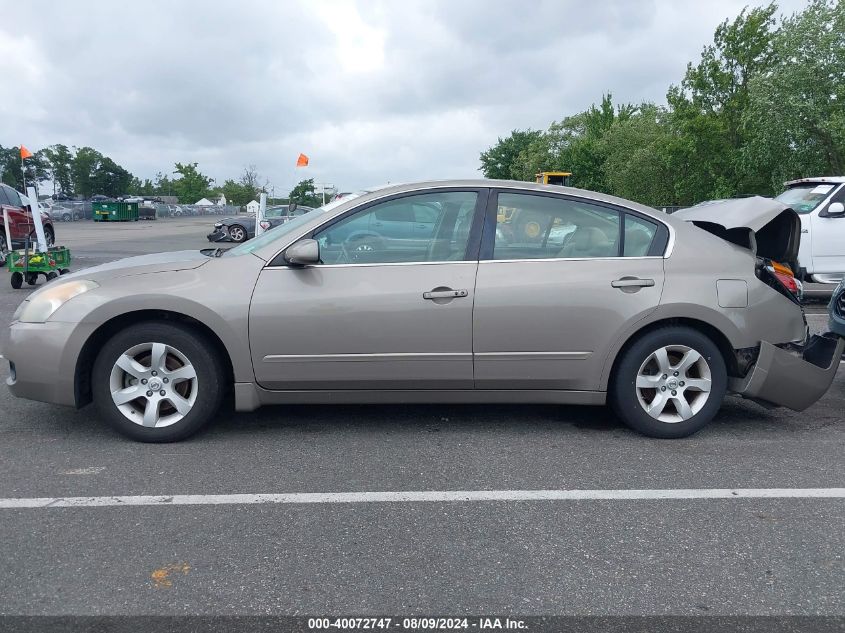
[[615, 557]]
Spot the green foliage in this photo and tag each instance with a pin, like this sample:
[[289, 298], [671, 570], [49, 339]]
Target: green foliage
[[304, 194], [499, 160], [59, 158], [191, 185], [796, 115], [765, 103], [36, 168]]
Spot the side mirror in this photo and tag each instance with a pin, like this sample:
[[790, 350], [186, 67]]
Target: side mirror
[[303, 253], [291, 207], [836, 208]]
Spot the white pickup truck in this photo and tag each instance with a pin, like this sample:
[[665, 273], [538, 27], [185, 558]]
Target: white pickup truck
[[820, 202]]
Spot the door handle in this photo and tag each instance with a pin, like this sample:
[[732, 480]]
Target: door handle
[[445, 294], [632, 282]]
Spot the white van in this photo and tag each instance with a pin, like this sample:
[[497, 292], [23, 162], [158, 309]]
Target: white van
[[820, 202]]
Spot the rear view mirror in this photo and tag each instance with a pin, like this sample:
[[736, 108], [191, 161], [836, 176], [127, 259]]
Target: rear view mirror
[[836, 208], [303, 253]]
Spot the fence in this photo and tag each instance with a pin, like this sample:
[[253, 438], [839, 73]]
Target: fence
[[76, 211]]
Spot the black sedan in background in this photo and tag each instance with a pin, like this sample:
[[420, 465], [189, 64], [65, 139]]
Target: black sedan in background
[[241, 229]]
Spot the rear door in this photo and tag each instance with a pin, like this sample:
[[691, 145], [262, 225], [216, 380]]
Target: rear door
[[559, 276]]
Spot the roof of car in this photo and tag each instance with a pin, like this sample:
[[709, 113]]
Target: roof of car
[[799, 181]]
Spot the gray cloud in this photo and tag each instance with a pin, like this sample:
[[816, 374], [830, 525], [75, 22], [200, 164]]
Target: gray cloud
[[371, 91]]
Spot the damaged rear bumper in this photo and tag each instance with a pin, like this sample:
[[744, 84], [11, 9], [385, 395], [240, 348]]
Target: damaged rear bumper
[[793, 379]]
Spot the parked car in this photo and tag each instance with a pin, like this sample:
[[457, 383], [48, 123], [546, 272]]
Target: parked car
[[59, 213], [241, 229], [146, 212], [21, 224], [836, 310], [659, 316], [820, 202]]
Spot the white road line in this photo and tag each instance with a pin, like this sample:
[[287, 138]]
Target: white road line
[[458, 496]]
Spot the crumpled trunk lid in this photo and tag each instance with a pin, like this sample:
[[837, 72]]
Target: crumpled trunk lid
[[768, 228]]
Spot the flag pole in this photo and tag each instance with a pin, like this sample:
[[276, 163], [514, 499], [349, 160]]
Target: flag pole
[[23, 172]]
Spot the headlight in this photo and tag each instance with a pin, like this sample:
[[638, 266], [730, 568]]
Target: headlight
[[45, 303]]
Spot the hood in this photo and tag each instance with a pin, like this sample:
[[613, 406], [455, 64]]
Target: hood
[[767, 227], [157, 263]]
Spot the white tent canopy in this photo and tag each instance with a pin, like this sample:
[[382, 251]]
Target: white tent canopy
[[205, 202]]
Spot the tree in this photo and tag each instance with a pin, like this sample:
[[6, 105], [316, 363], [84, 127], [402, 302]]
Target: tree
[[795, 121], [191, 185], [708, 107], [237, 193], [638, 163], [36, 168], [60, 159], [82, 168], [499, 161], [574, 144], [305, 194]]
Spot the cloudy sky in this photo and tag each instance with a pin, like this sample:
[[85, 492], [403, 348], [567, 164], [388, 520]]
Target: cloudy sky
[[373, 91]]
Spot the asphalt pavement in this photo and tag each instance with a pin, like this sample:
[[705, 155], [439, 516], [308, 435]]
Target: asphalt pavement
[[694, 556]]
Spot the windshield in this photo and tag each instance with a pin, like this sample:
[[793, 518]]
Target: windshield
[[290, 226], [805, 197]]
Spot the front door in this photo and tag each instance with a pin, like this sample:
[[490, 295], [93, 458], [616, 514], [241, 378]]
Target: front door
[[555, 286], [828, 236], [385, 309]]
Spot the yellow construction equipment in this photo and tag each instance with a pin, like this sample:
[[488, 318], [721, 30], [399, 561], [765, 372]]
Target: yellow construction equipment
[[554, 178]]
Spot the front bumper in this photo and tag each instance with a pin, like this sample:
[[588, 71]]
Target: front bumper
[[219, 235], [793, 379], [42, 359]]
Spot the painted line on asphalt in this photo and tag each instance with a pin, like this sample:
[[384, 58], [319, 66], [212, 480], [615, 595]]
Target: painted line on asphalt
[[424, 496]]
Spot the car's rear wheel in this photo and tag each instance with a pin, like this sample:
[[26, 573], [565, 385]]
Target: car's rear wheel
[[237, 233], [157, 382], [669, 383]]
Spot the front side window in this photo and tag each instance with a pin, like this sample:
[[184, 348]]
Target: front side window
[[542, 227], [13, 197], [430, 227]]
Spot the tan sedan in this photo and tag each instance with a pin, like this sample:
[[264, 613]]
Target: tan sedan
[[458, 291]]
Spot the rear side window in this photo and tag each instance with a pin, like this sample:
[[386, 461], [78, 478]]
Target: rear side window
[[3, 198], [639, 235], [545, 227]]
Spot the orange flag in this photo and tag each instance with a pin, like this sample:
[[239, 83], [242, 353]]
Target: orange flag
[[25, 153], [302, 161]]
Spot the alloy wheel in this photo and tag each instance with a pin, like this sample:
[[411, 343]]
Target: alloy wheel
[[237, 234], [153, 385], [673, 383]]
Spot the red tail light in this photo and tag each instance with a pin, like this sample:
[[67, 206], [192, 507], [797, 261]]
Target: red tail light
[[785, 276]]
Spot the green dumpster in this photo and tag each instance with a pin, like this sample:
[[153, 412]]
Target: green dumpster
[[115, 211]]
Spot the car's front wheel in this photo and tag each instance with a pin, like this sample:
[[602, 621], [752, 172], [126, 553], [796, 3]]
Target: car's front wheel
[[157, 382], [669, 383], [237, 233]]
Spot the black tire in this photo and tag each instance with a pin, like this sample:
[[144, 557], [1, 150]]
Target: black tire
[[623, 394], [240, 232], [32, 279], [66, 217], [17, 280], [195, 347], [52, 275], [64, 271]]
